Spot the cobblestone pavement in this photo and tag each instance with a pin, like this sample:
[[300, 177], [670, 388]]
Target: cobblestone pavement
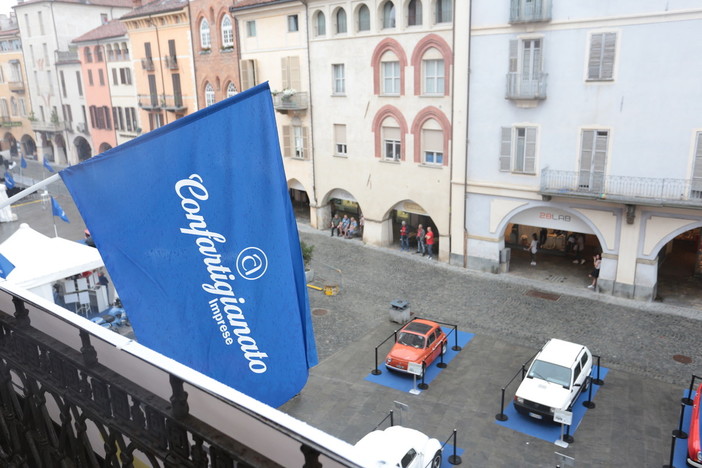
[[636, 409]]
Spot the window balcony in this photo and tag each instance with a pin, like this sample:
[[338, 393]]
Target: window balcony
[[66, 56], [40, 126], [529, 11], [173, 102], [147, 64], [521, 87], [651, 191], [171, 62], [16, 86], [149, 101], [296, 102]]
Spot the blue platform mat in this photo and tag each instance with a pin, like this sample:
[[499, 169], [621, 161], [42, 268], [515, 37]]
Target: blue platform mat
[[546, 430], [448, 451], [680, 454], [405, 382]]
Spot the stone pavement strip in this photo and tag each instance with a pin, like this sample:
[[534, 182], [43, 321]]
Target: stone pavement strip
[[636, 409]]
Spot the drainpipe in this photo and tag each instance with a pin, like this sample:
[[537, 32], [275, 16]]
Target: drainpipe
[[192, 54], [160, 66], [64, 133], [309, 103], [465, 178]]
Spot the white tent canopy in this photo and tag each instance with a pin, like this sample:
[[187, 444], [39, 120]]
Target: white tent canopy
[[40, 260]]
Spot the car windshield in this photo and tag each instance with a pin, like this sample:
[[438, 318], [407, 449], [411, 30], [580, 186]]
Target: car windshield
[[410, 339], [550, 373]]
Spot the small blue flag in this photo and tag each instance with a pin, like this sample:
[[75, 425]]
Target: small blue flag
[[48, 166], [57, 210], [23, 162], [9, 181], [6, 266]]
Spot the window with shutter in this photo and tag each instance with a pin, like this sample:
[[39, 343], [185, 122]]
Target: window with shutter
[[506, 149], [248, 74], [593, 160], [291, 72], [519, 157], [287, 136], [600, 65], [696, 191], [340, 148]]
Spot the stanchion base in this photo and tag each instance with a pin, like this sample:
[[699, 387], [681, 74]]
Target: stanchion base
[[589, 404], [442, 365], [568, 438], [599, 382], [686, 401], [456, 348], [501, 417], [423, 386], [680, 434], [455, 460], [376, 372]]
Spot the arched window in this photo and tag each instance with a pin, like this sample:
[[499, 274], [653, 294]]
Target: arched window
[[227, 32], [389, 62], [341, 21], [88, 54], [231, 90], [110, 53], [433, 77], [389, 127], [125, 51], [443, 11], [363, 18], [98, 53], [205, 40], [320, 23], [390, 74], [414, 13], [432, 132], [388, 15], [209, 95]]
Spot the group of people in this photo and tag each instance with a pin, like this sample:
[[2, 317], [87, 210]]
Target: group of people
[[425, 239], [574, 244], [346, 227]]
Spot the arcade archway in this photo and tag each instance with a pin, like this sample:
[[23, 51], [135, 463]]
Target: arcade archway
[[680, 269], [82, 148]]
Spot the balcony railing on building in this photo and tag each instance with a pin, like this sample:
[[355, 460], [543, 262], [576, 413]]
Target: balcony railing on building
[[171, 62], [149, 101], [523, 87], [16, 86], [98, 395], [624, 189], [283, 102], [66, 56], [147, 64], [173, 102], [529, 11], [42, 126]]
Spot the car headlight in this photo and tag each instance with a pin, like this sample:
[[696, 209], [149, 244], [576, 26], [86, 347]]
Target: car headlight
[[699, 456], [388, 360], [552, 410], [519, 399]]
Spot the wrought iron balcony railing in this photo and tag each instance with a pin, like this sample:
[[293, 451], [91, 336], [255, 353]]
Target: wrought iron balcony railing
[[523, 87], [173, 102], [147, 64], [297, 101], [75, 394], [625, 189], [41, 126], [149, 101], [171, 62], [529, 11], [16, 86], [67, 56]]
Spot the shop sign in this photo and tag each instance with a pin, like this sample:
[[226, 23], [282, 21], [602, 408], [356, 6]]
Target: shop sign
[[413, 208]]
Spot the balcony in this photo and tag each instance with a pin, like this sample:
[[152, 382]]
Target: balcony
[[284, 103], [171, 62], [149, 101], [173, 102], [529, 11], [16, 86], [526, 90], [66, 56], [147, 64], [41, 126], [623, 189], [102, 397]]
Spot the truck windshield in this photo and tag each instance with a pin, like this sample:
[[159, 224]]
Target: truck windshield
[[550, 373]]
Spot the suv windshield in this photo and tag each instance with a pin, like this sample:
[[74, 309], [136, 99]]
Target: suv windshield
[[410, 339], [551, 373]]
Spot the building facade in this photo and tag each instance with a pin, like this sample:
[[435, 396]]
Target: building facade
[[579, 123]]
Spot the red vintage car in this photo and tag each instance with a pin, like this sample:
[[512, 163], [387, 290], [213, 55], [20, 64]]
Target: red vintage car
[[694, 437], [418, 341]]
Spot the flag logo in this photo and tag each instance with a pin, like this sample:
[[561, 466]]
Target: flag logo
[[251, 263]]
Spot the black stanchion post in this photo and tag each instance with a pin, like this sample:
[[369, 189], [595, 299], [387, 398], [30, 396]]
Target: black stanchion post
[[672, 454], [376, 371], [392, 420], [422, 385], [688, 399], [454, 459], [679, 433], [589, 403], [455, 332], [567, 437], [523, 371], [501, 416], [598, 380], [442, 364]]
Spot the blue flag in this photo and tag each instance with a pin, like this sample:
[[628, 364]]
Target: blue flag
[[9, 181], [23, 162], [6, 266], [206, 256], [56, 210], [47, 165]]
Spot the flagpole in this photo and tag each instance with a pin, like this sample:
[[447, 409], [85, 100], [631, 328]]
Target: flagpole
[[53, 218], [29, 190]]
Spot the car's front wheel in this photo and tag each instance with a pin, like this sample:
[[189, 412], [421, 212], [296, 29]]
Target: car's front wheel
[[436, 461]]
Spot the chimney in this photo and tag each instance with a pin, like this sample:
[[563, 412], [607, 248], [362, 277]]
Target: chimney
[[136, 4]]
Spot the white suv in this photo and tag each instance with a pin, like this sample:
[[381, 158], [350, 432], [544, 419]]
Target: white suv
[[556, 377]]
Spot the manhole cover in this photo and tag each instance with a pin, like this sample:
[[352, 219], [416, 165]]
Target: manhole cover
[[542, 295], [319, 312], [681, 358]]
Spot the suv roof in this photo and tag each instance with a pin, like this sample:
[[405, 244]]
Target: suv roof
[[562, 353]]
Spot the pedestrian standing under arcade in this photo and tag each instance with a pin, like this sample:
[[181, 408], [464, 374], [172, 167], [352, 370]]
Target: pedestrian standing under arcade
[[404, 239], [429, 239]]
